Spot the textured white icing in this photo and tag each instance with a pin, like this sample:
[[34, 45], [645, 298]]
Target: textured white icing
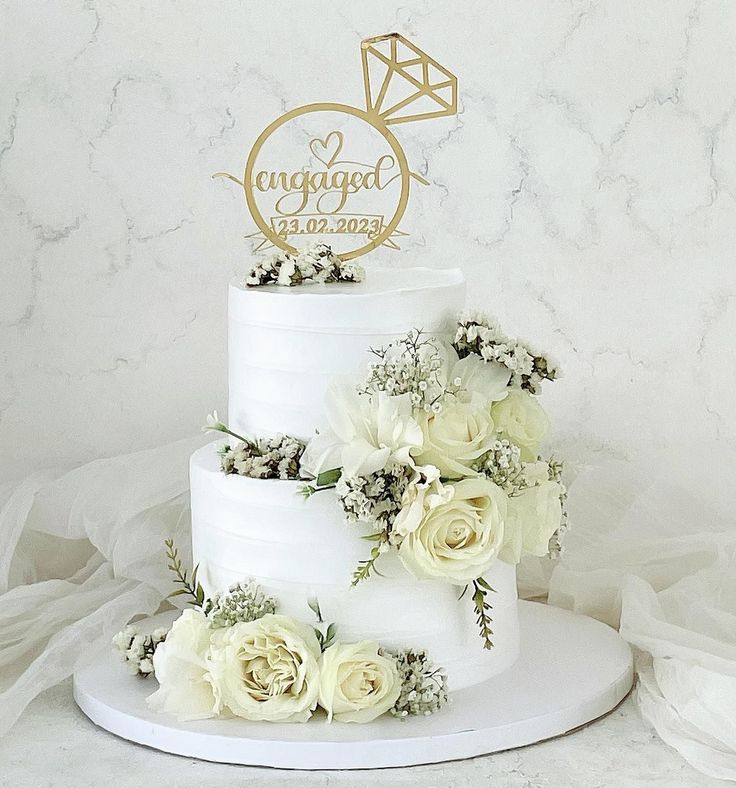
[[297, 549], [286, 344]]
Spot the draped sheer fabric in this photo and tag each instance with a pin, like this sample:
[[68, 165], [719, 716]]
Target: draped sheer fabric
[[652, 549]]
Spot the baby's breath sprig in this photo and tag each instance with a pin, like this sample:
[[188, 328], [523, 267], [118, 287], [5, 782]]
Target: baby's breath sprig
[[189, 586], [410, 365], [137, 648], [480, 591], [502, 465], [241, 603], [423, 686]]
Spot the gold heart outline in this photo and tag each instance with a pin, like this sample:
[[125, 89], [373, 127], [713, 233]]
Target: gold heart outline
[[324, 143]]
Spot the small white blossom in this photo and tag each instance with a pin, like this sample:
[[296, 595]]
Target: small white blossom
[[423, 686], [137, 648]]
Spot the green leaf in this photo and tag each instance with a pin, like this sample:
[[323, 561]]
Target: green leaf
[[331, 632], [483, 584], [313, 603], [329, 477]]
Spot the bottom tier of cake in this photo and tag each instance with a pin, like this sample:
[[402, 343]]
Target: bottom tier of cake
[[300, 549]]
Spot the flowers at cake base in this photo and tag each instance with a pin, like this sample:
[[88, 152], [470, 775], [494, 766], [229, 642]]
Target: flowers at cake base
[[437, 453], [234, 656], [316, 264], [267, 669], [357, 682], [181, 665]]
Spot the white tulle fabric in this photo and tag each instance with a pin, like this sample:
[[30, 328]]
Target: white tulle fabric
[[653, 547], [81, 552]]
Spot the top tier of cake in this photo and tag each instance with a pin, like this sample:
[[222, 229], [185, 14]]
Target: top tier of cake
[[286, 344]]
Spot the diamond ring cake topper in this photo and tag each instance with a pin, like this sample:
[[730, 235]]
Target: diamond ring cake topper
[[337, 173]]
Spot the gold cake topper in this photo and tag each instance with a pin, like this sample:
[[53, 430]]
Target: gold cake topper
[[339, 195]]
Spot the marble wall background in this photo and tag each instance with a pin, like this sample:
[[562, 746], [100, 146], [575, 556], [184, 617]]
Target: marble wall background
[[587, 188]]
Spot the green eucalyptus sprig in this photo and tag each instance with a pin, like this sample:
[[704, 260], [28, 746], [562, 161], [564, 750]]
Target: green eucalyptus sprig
[[327, 638], [484, 620], [365, 568], [189, 586]]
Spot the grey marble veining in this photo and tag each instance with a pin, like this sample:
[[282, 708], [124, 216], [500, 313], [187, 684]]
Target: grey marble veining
[[587, 187]]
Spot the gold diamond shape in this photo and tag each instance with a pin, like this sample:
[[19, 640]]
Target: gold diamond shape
[[397, 74]]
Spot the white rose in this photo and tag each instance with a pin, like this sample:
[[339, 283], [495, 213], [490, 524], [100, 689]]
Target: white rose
[[521, 419], [486, 378], [267, 669], [459, 534], [182, 670], [456, 437], [533, 516], [367, 433], [357, 684]]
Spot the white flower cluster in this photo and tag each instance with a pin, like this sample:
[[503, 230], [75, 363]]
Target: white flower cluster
[[241, 603], [267, 458], [412, 365], [438, 452], [137, 649], [315, 264], [503, 465], [423, 686], [478, 334], [376, 497]]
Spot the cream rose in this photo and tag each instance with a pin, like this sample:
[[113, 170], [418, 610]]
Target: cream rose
[[267, 669], [533, 516], [455, 531], [182, 670], [521, 419], [456, 437], [357, 684]]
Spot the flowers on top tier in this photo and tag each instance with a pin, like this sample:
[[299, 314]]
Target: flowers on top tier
[[437, 451], [313, 265]]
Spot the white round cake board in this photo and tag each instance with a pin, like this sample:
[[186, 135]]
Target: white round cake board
[[572, 670]]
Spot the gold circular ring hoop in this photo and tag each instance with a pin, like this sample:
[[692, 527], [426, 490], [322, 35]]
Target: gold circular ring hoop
[[374, 121]]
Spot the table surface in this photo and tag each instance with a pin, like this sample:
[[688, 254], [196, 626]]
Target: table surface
[[54, 744]]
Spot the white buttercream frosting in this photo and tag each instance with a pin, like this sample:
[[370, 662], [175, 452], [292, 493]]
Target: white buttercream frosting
[[287, 344], [297, 550]]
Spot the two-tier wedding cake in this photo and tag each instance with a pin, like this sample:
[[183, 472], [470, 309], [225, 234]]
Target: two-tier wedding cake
[[287, 345]]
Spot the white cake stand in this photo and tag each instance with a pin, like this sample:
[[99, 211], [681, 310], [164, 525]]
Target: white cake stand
[[571, 671]]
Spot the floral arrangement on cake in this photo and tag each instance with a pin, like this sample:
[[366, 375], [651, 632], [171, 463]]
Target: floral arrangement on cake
[[235, 655], [437, 453], [315, 264], [264, 458]]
